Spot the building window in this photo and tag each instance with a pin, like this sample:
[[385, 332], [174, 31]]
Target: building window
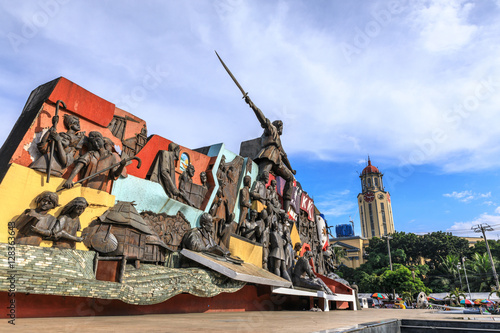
[[372, 224], [384, 224], [363, 226], [376, 181]]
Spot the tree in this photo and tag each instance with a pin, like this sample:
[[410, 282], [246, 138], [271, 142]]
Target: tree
[[402, 281], [450, 265], [437, 245], [339, 253], [481, 278], [454, 296]]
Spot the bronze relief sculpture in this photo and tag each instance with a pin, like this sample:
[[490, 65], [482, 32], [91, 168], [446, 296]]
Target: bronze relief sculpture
[[65, 147], [68, 223], [99, 158], [35, 224], [163, 170]]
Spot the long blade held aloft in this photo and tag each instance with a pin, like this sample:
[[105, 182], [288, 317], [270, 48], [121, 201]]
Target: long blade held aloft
[[232, 76]]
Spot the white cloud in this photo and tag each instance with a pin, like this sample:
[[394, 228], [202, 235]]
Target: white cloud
[[467, 196], [464, 229], [443, 24], [394, 99]]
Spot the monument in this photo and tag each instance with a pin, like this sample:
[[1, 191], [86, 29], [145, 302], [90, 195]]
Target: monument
[[158, 228]]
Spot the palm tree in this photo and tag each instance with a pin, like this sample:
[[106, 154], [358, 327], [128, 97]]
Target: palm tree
[[494, 291], [339, 253], [481, 266], [450, 263], [454, 296]]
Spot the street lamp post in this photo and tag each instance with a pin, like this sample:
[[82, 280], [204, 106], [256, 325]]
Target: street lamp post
[[466, 280], [483, 229], [460, 276], [390, 260], [389, 249]]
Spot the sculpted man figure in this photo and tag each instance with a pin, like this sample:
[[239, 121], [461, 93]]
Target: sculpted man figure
[[272, 156], [99, 157], [245, 202], [163, 170], [185, 183], [273, 202], [303, 275], [66, 146], [253, 229], [201, 239], [277, 243], [259, 192], [33, 224]]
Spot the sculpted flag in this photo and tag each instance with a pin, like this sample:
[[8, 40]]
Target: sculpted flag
[[322, 232], [307, 205]]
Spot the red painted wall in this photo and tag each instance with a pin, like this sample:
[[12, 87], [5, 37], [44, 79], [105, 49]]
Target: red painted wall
[[249, 298]]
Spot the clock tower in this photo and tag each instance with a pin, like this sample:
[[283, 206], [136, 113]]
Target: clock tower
[[375, 210]]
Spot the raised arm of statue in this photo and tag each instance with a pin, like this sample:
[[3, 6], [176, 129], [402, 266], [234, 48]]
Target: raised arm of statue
[[260, 116]]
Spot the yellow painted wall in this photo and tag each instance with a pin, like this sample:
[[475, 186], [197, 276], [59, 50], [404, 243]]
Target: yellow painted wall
[[294, 235], [20, 187], [247, 251]]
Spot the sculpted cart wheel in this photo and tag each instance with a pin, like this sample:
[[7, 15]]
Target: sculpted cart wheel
[[104, 242]]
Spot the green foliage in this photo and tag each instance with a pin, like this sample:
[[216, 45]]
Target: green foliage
[[480, 247], [455, 295], [481, 278], [402, 281], [437, 245], [338, 253], [442, 252], [494, 291]]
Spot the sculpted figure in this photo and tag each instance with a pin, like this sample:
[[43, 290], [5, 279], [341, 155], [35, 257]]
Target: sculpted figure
[[33, 224], [259, 192], [303, 275], [99, 157], [272, 156], [329, 261], [245, 202], [68, 223], [204, 179], [277, 244], [265, 243], [221, 208], [273, 201], [252, 229], [185, 184], [163, 170], [66, 146], [201, 239]]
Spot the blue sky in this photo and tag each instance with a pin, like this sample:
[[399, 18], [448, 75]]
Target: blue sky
[[415, 84]]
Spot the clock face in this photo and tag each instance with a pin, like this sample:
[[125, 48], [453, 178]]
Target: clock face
[[381, 196], [369, 197]]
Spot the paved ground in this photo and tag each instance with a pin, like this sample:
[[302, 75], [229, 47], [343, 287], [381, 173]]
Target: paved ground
[[260, 322]]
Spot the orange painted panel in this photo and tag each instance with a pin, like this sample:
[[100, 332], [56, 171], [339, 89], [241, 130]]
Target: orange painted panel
[[157, 143], [133, 127], [43, 121], [83, 103]]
